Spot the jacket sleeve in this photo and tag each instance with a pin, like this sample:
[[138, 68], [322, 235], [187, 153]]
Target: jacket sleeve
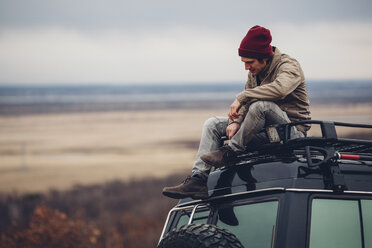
[[289, 77], [243, 112]]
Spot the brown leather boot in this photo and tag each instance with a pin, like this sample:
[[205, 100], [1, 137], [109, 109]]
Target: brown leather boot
[[194, 187], [224, 156]]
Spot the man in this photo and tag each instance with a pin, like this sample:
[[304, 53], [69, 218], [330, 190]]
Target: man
[[275, 93]]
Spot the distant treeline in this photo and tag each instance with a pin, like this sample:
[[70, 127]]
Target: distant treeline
[[114, 215], [328, 92], [17, 100], [53, 108]]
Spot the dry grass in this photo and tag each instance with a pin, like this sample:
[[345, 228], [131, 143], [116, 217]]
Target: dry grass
[[39, 152], [59, 150], [353, 113]]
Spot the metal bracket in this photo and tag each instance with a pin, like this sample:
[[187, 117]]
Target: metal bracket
[[333, 176], [328, 130], [193, 213], [338, 180]]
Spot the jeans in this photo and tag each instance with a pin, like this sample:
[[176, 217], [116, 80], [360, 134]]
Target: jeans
[[259, 115]]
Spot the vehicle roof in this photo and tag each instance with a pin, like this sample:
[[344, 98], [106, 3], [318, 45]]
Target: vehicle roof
[[288, 174], [310, 163]]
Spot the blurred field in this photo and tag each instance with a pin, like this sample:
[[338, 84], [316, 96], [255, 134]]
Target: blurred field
[[39, 152]]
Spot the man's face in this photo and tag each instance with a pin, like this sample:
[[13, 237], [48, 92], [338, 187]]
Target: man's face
[[253, 65]]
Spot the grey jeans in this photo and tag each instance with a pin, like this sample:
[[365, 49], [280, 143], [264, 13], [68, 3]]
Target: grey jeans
[[260, 115]]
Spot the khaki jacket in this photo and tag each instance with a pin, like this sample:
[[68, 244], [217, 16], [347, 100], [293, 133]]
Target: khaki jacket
[[282, 82]]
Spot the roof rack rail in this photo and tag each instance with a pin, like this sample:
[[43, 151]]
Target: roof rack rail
[[328, 128], [342, 148]]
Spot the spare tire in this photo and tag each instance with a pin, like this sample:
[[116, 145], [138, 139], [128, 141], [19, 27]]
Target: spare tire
[[200, 235]]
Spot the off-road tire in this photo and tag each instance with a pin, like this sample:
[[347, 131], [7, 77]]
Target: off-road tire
[[201, 236]]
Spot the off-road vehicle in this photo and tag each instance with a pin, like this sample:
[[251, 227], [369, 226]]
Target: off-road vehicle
[[290, 193]]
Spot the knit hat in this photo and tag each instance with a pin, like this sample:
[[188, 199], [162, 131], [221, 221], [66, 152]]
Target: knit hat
[[256, 44]]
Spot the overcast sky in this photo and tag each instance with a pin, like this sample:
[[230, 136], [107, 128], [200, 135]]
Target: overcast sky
[[171, 41]]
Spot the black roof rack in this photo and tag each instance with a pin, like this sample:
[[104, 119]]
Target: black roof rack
[[329, 146], [282, 140], [320, 153], [328, 129]]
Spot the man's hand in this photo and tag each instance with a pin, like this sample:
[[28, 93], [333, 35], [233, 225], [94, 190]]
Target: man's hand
[[234, 110], [232, 129]]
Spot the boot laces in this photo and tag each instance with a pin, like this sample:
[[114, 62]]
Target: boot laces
[[188, 178]]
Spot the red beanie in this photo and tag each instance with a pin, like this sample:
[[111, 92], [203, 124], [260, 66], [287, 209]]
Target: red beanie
[[256, 44]]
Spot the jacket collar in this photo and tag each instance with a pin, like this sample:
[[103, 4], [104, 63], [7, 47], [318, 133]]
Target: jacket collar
[[272, 63]]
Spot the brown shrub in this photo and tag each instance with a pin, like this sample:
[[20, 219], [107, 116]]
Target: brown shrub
[[113, 215], [51, 228]]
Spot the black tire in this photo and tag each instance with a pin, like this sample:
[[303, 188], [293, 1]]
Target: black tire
[[201, 236]]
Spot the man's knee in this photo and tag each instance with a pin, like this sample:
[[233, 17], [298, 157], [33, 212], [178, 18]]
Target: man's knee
[[214, 124], [210, 123], [269, 111], [260, 106]]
